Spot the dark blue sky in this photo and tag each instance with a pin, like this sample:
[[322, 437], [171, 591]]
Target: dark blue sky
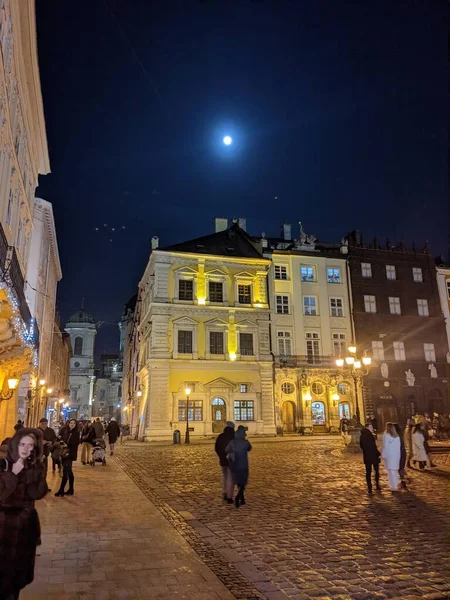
[[337, 108]]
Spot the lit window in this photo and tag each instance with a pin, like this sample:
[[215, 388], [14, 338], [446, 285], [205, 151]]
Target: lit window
[[370, 304], [399, 351], [243, 388], [394, 306], [343, 389], [195, 410], [430, 354], [215, 291], [448, 288], [282, 305], [280, 272], [284, 343], [216, 342], [366, 270], [310, 305], [334, 275], [287, 387], [336, 307], [308, 274], [317, 388], [377, 350], [244, 410], [246, 344], [184, 342], [417, 274], [390, 272], [422, 307], [339, 344], [244, 294], [186, 289], [312, 346]]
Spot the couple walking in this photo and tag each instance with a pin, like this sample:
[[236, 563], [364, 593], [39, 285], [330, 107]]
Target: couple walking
[[232, 449]]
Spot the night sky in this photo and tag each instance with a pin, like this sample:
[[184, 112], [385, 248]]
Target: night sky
[[338, 109]]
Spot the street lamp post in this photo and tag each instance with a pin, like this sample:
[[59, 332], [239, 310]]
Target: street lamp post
[[187, 391], [359, 367]]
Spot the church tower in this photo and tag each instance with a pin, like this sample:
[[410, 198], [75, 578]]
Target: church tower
[[82, 330]]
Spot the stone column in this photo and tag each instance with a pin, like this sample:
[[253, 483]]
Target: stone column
[[159, 402]]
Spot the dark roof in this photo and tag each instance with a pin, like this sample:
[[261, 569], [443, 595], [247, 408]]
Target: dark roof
[[231, 242], [131, 304], [81, 316]]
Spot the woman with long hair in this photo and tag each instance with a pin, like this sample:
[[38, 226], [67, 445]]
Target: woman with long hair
[[71, 437], [22, 481], [391, 454]]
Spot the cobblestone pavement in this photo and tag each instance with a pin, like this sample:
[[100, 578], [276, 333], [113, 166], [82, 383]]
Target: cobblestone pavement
[[309, 529], [109, 542]]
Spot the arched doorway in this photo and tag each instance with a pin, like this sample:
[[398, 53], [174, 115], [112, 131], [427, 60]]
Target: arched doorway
[[288, 416], [319, 419], [219, 415], [386, 411]]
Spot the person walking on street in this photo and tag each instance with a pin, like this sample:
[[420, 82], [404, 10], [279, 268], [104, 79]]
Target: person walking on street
[[407, 440], [113, 431], [124, 434], [87, 439], [222, 442], [371, 456], [402, 464], [374, 422], [49, 437], [237, 454], [419, 453], [426, 434], [390, 453], [99, 431], [71, 438], [22, 482]]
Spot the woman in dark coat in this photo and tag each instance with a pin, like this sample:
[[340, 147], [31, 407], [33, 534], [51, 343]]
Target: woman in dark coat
[[22, 481], [222, 442], [237, 454], [71, 437], [113, 431], [371, 457]]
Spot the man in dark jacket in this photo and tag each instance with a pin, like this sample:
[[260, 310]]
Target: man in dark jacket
[[113, 431], [371, 457], [49, 436], [222, 442]]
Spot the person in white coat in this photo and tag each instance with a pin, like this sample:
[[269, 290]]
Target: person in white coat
[[419, 452], [390, 453]]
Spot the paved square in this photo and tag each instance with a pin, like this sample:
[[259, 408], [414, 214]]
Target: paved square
[[309, 529]]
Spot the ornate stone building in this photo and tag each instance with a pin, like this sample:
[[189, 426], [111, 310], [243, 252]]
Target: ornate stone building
[[23, 156], [205, 326], [129, 345], [311, 328]]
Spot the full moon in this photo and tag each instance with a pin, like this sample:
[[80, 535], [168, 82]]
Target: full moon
[[227, 140]]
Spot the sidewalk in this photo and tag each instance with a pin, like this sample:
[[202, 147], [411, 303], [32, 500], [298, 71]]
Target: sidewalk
[[109, 542]]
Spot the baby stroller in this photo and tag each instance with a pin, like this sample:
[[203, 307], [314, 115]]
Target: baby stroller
[[98, 452]]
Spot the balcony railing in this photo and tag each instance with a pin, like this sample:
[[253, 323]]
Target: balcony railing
[[285, 361], [18, 282]]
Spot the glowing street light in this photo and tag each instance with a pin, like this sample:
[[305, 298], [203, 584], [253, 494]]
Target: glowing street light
[[227, 140], [359, 367]]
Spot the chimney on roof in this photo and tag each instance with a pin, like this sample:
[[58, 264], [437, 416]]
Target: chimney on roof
[[220, 224], [287, 231], [155, 242], [264, 242], [242, 223]]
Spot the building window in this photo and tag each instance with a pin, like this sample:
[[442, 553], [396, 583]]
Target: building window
[[343, 389], [308, 273], [334, 275], [184, 342], [336, 307], [244, 410], [243, 388], [280, 272], [377, 350], [310, 305], [370, 304], [312, 346], [216, 342], [430, 354], [317, 388], [185, 289], [448, 288], [390, 272], [394, 306], [287, 387], [246, 344], [417, 274], [339, 344], [215, 291], [399, 351], [244, 294], [366, 270], [282, 305], [78, 346], [284, 343], [422, 307], [195, 410]]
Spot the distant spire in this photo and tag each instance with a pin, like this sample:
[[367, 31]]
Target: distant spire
[[82, 303]]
